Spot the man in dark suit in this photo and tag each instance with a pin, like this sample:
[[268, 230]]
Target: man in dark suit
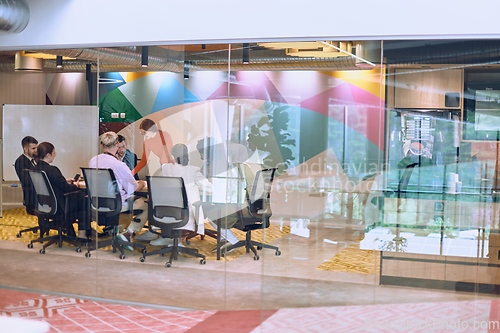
[[125, 155], [26, 161]]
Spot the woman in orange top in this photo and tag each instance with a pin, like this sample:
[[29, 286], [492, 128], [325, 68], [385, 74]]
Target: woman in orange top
[[155, 141]]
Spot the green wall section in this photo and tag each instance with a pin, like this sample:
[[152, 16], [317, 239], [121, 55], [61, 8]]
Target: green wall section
[[116, 102], [313, 135]]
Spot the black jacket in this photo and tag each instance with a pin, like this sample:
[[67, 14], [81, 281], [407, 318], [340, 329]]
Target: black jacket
[[59, 185], [21, 165]]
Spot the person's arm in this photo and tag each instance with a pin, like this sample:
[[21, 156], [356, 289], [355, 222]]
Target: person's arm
[[141, 184], [202, 182], [143, 162], [127, 180], [58, 180], [134, 163]]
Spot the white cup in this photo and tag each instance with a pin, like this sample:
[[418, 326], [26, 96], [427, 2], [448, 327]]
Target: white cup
[[452, 187]]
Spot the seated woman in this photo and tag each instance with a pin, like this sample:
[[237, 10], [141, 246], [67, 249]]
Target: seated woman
[[60, 185], [193, 181]]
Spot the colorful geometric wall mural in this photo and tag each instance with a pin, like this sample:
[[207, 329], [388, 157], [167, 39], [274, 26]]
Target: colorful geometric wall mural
[[292, 116]]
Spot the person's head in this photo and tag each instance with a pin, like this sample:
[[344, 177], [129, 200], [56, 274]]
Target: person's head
[[203, 146], [109, 141], [46, 152], [180, 154], [148, 128], [29, 144], [122, 146]]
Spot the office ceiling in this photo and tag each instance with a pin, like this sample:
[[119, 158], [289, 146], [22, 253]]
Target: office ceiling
[[261, 56]]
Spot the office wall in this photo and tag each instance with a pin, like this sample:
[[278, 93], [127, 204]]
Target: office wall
[[332, 119], [28, 89], [311, 99], [71, 129], [58, 23]]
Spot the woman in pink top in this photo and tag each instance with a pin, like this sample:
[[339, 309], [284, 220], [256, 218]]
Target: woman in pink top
[[155, 141]]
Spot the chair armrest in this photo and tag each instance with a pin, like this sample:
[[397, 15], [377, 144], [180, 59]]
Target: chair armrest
[[71, 193], [68, 195], [197, 207]]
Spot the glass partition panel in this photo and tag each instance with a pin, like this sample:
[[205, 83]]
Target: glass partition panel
[[168, 105], [50, 115], [314, 174], [436, 201], [314, 113]]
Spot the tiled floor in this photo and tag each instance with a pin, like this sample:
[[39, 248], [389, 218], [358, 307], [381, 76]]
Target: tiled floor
[[70, 315], [227, 296], [66, 314]]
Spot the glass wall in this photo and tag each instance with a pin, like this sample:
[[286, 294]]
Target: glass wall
[[437, 204], [349, 165]]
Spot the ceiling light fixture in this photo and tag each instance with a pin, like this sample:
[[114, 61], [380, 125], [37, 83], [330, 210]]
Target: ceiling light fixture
[[144, 57], [88, 71], [349, 53], [310, 49], [59, 62], [246, 57], [186, 70]]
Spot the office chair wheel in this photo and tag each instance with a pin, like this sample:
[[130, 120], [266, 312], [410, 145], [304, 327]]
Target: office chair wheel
[[42, 251], [87, 254], [18, 235], [122, 256], [142, 259], [162, 254], [256, 257], [259, 247], [30, 246], [223, 254], [78, 249], [203, 261], [143, 251], [278, 252], [168, 264]]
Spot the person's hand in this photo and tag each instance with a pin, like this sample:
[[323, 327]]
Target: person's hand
[[141, 184], [70, 181]]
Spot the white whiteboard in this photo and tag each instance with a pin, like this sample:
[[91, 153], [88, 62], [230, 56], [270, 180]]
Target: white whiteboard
[[73, 130]]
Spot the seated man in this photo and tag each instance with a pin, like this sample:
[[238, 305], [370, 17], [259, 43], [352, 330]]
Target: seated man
[[126, 182], [125, 155], [193, 182], [26, 161], [215, 161]]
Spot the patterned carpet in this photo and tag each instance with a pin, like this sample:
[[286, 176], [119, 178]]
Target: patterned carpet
[[17, 219], [72, 315], [353, 260]]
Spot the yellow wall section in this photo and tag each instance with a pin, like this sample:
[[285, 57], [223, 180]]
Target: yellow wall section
[[368, 80], [131, 76]]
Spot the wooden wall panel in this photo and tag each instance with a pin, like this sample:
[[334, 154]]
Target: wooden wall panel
[[22, 88], [424, 89]]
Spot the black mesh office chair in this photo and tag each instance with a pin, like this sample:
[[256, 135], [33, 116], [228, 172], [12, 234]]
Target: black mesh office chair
[[47, 210], [29, 203], [257, 213], [252, 215], [105, 207], [169, 210]]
